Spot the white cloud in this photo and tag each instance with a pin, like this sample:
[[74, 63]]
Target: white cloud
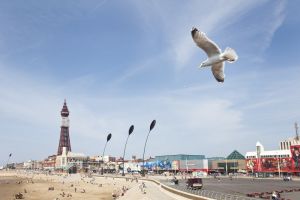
[[274, 21], [175, 27], [93, 117], [189, 120]]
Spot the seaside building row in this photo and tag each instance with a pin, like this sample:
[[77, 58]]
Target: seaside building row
[[285, 160], [197, 164]]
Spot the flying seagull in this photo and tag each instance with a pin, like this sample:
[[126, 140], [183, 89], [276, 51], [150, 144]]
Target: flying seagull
[[215, 57]]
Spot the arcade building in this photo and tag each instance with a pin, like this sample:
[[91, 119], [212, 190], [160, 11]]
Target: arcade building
[[285, 161]]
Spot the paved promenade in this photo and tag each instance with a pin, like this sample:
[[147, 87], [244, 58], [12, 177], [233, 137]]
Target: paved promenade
[[153, 192]]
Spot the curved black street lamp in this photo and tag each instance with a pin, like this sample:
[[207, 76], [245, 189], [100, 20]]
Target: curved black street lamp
[[151, 127], [8, 160], [107, 139], [129, 133]]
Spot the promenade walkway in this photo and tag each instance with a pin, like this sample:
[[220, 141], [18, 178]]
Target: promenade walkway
[[153, 192]]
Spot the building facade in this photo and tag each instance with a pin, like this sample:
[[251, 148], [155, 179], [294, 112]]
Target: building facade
[[177, 163], [285, 160], [233, 163], [71, 162], [49, 163]]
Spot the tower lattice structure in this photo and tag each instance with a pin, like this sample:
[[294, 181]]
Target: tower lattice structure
[[64, 139]]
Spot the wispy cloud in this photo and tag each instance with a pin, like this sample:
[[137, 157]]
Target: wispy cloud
[[274, 21], [174, 27], [93, 117], [182, 115]]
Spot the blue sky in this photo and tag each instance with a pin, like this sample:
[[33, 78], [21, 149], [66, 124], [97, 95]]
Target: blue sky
[[128, 62]]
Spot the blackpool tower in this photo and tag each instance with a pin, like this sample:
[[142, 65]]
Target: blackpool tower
[[64, 139]]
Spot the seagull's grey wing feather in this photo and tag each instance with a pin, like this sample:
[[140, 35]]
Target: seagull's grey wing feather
[[218, 71], [205, 43]]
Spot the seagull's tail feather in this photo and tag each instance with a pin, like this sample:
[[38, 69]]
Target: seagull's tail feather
[[230, 55]]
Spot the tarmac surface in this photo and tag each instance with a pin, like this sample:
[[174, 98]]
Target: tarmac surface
[[244, 186]]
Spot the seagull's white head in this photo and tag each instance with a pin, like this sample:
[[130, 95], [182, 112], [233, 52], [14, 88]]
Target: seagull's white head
[[203, 64]]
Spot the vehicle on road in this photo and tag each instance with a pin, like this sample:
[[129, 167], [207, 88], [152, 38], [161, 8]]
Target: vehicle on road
[[194, 183], [287, 178]]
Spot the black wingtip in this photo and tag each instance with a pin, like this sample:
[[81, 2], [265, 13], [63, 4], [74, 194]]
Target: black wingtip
[[194, 31], [220, 80]]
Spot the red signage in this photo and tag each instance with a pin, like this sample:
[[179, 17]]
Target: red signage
[[282, 164], [295, 151]]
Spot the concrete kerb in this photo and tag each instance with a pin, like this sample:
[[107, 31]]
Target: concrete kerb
[[170, 189], [183, 194], [167, 188]]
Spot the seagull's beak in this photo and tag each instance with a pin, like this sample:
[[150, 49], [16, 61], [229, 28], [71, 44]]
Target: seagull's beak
[[193, 31]]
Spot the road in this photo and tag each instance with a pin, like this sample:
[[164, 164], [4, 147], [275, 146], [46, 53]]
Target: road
[[243, 186]]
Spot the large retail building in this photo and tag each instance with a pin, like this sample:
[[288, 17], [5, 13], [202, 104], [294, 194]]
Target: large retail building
[[284, 160]]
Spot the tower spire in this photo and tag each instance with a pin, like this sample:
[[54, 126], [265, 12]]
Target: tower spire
[[64, 140]]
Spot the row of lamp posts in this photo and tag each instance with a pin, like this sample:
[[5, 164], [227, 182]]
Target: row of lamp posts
[[129, 133], [108, 139]]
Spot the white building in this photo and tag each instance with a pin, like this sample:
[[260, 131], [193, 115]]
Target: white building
[[286, 144], [131, 166], [262, 153], [71, 161], [105, 159]]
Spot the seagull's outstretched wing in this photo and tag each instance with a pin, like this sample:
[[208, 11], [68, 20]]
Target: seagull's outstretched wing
[[218, 71], [205, 43]]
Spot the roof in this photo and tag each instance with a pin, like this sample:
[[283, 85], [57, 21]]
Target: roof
[[293, 140], [216, 158], [235, 155], [270, 153], [65, 111], [72, 154]]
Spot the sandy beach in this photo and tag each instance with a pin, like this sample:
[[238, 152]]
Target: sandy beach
[[62, 186]]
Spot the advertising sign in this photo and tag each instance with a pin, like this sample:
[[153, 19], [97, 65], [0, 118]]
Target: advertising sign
[[295, 151], [282, 164], [158, 165], [270, 165], [175, 165]]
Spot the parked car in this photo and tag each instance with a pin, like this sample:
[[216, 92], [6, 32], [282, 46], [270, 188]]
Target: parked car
[[194, 183], [287, 178]]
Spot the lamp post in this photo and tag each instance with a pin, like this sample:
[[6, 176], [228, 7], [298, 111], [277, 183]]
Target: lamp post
[[129, 133], [107, 139], [226, 167], [278, 165], [151, 127], [8, 160]]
